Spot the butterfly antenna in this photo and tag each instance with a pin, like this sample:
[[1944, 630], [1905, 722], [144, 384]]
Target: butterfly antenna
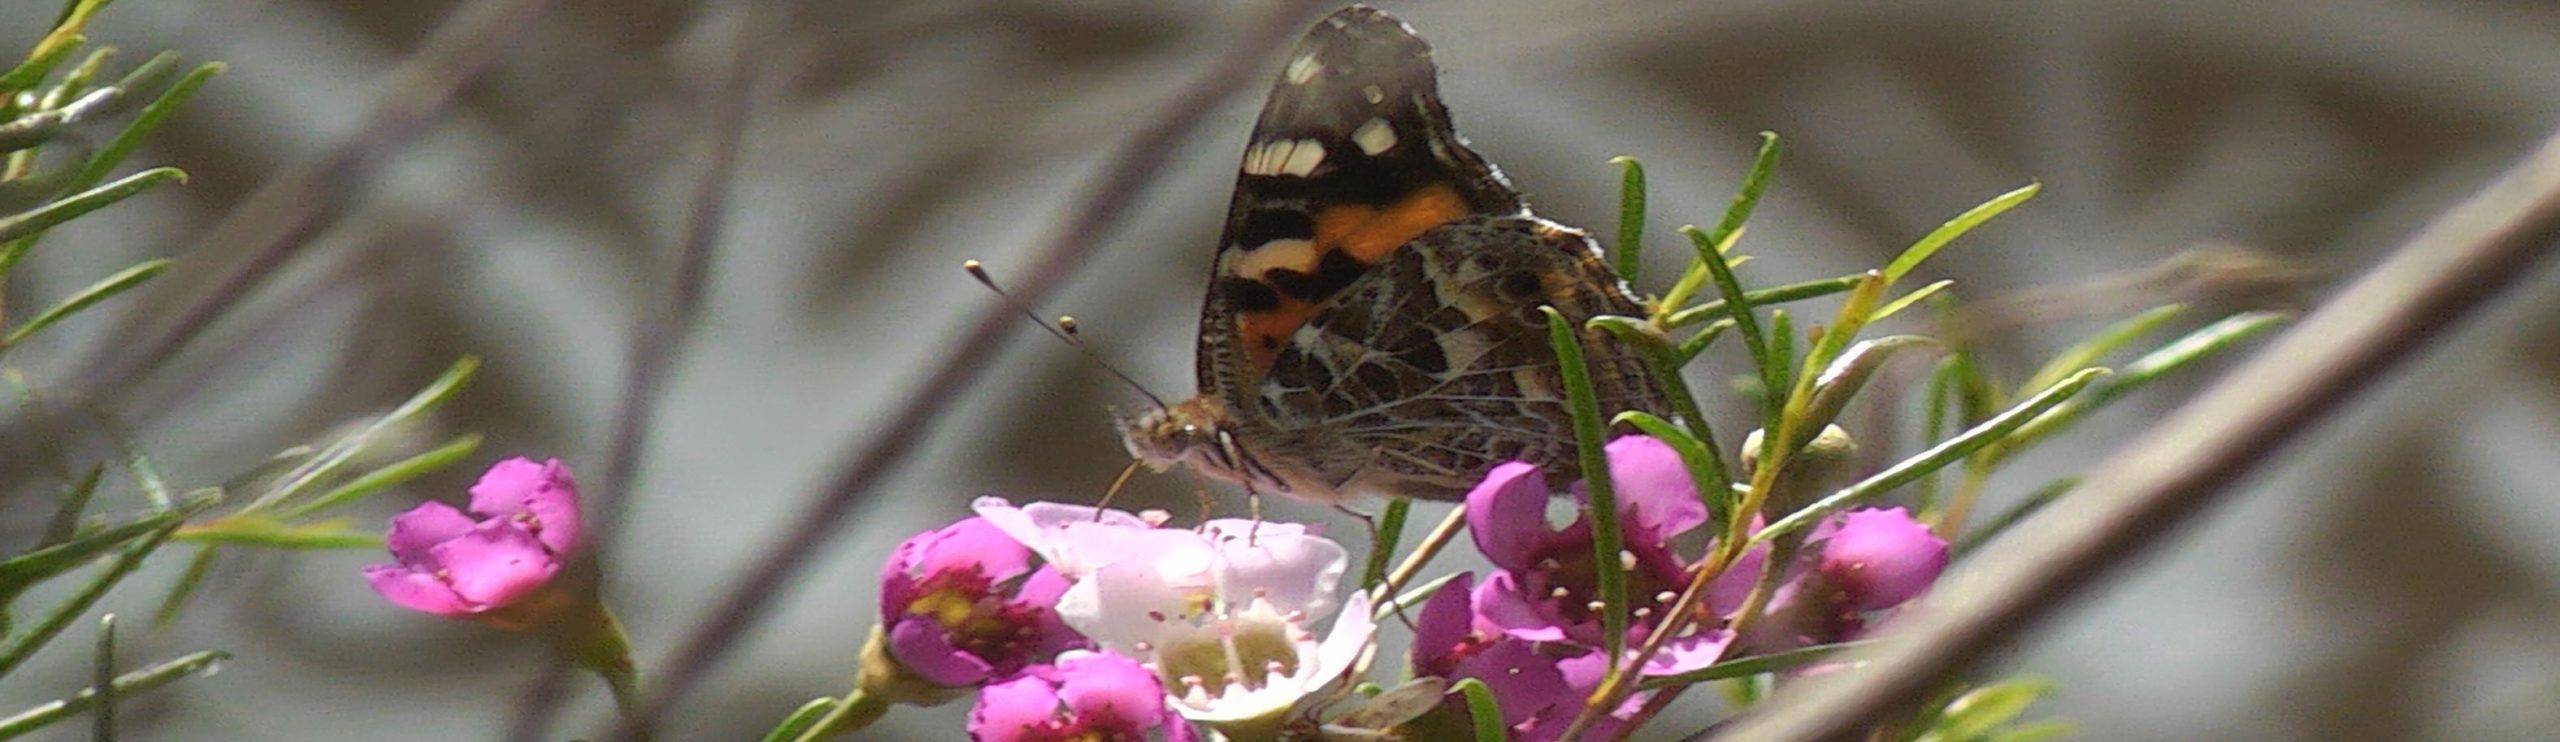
[[1125, 473], [1064, 330]]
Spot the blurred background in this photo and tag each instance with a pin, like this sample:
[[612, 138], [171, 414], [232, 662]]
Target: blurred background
[[2392, 577]]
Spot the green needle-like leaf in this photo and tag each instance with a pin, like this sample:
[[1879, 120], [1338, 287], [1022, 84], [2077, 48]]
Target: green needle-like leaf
[[1896, 306], [1739, 307], [1814, 289], [1952, 450], [1414, 597], [2045, 495], [1482, 711], [102, 679], [25, 644], [260, 530], [1754, 182], [32, 567], [387, 477], [128, 684], [1938, 238], [1602, 503], [800, 719], [1382, 548], [32, 71], [197, 567], [130, 138], [337, 455], [104, 289], [1630, 247], [66, 516], [2090, 350], [54, 214]]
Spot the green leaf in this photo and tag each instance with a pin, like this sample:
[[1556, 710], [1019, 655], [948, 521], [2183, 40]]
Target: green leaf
[[128, 684], [1382, 541], [103, 290], [130, 138], [2094, 348], [1754, 182], [23, 570], [1697, 343], [1983, 709], [1663, 362], [66, 517], [800, 719], [2033, 732], [1705, 466], [250, 529], [1840, 381], [1602, 498], [24, 645], [2178, 354], [38, 65], [54, 214], [2045, 495], [42, 126], [1933, 424], [197, 567], [1948, 452], [1739, 304], [1482, 711], [338, 453], [1779, 294], [1938, 238], [1630, 247], [387, 477], [1755, 665], [102, 678], [1414, 597], [1896, 306]]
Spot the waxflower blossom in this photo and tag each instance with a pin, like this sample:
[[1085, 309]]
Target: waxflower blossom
[[1546, 587], [1085, 696], [1857, 563], [523, 523], [963, 605], [1223, 615]]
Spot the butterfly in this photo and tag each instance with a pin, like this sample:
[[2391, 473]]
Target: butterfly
[[1373, 322]]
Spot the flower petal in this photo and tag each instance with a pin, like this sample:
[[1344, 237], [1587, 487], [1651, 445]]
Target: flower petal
[[415, 590], [1122, 606], [1041, 527], [413, 534], [1013, 710], [1499, 602], [1294, 573], [1507, 515], [974, 544], [925, 648], [1656, 497], [542, 494], [495, 564], [1108, 692], [1880, 558], [1444, 622]]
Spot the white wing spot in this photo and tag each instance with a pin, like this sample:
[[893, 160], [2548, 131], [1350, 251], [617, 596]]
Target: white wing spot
[[1303, 158], [1374, 137], [1294, 254], [1304, 69], [1374, 95]]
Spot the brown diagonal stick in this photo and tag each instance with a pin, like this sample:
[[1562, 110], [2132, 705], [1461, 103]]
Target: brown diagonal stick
[[1137, 164], [2153, 485]]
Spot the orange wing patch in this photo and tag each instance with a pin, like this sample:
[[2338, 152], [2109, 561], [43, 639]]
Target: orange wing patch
[[1366, 234]]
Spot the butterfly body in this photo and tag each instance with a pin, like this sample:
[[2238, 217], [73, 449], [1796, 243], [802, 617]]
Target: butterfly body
[[1372, 324]]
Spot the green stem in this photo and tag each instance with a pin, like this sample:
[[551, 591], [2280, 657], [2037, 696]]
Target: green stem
[[606, 651], [856, 711]]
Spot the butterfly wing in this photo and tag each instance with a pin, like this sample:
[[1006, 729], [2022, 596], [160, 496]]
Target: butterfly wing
[[1435, 365], [1352, 157]]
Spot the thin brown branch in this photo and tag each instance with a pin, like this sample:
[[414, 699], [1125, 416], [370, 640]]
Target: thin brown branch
[[1137, 165], [2440, 276]]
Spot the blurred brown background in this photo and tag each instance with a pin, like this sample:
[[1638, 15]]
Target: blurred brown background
[[2394, 578]]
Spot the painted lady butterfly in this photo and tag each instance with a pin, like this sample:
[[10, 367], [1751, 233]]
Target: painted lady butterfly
[[1372, 321]]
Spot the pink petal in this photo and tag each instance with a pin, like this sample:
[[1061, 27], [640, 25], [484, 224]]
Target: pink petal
[[1011, 711], [1108, 692], [1507, 515], [1685, 653], [1445, 620], [1655, 493], [413, 534], [495, 564], [1041, 526], [1523, 680], [974, 543], [1120, 605], [543, 494], [1880, 558], [417, 591], [897, 575], [1498, 602], [924, 648]]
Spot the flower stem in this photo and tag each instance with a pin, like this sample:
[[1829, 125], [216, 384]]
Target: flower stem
[[606, 651], [857, 710]]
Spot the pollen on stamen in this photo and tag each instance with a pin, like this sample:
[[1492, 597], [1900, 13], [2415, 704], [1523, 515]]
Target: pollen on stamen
[[1665, 596], [1558, 593], [1626, 560], [1594, 606], [1144, 647]]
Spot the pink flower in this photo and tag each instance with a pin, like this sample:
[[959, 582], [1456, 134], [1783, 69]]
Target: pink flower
[[452, 565], [963, 605], [1856, 563], [1085, 696], [1547, 587]]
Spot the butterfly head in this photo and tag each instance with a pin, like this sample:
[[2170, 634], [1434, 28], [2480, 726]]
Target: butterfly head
[[1197, 433]]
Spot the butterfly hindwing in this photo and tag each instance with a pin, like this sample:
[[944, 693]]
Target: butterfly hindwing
[[1352, 157], [1436, 364]]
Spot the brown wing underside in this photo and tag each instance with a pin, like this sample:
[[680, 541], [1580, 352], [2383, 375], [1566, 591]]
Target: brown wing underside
[[1435, 365]]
